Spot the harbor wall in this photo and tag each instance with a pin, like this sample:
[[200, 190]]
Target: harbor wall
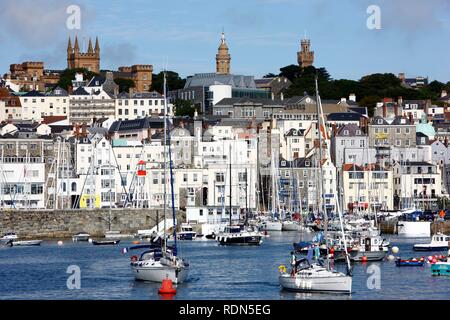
[[46, 224], [390, 226]]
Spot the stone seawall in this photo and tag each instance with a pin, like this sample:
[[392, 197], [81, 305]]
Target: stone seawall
[[390, 227], [35, 224]]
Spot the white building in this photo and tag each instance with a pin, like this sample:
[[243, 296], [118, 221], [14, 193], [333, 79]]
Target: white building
[[139, 105], [36, 105]]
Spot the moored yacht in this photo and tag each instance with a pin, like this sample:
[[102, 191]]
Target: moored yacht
[[315, 277], [237, 235], [81, 236]]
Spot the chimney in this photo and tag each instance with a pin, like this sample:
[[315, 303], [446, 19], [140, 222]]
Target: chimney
[[83, 130], [281, 96], [273, 96], [352, 97], [343, 100], [131, 91], [400, 101], [69, 89], [401, 76], [395, 109], [195, 114], [384, 110], [109, 76], [446, 142], [411, 120], [443, 93]]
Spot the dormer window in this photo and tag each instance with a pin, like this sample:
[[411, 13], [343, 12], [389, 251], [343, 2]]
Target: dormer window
[[358, 132], [283, 163], [345, 132], [380, 121]]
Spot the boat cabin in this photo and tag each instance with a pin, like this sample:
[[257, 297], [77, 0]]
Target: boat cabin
[[232, 229], [440, 237]]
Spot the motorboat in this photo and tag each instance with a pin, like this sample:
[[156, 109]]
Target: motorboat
[[117, 235], [441, 268], [24, 243], [369, 249], [9, 236], [81, 236], [153, 266], [439, 242], [237, 235], [290, 225], [105, 242], [187, 232], [314, 277]]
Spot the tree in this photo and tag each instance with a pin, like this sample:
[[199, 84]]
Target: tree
[[174, 81], [184, 108], [370, 103], [66, 77], [124, 84], [270, 75]]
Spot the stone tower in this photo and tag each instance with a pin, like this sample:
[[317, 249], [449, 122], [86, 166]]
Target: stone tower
[[223, 58], [305, 57], [89, 60]]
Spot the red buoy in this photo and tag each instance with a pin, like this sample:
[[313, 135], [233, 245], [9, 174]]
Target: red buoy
[[167, 287], [364, 259]]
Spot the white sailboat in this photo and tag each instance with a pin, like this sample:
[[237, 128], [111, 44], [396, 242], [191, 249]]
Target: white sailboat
[[160, 261], [309, 276]]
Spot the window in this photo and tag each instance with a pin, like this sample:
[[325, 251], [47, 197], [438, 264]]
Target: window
[[220, 177]]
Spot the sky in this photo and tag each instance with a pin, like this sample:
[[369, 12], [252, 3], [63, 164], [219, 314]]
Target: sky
[[262, 35]]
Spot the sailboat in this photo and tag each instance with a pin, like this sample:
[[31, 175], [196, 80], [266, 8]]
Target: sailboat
[[238, 234], [160, 261], [317, 276]]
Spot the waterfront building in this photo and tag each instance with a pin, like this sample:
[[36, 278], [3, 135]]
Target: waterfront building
[[367, 188]]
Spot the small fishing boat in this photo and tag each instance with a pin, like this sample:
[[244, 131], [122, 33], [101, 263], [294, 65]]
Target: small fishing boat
[[411, 262], [81, 236], [369, 249], [105, 242], [439, 242]]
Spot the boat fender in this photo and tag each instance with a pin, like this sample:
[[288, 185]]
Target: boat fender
[[282, 269], [134, 258]]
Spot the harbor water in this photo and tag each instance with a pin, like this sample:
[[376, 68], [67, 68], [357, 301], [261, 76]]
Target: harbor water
[[216, 272]]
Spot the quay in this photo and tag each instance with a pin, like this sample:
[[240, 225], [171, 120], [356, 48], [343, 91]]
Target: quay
[[390, 226], [52, 224]]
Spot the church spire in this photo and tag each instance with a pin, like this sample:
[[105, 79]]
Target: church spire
[[69, 46], [90, 50], [76, 47], [97, 46]]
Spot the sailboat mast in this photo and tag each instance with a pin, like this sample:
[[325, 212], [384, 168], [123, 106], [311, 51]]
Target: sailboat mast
[[165, 166], [321, 193], [230, 185]]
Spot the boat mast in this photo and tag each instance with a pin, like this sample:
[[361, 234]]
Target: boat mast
[[321, 193], [165, 167], [230, 185]]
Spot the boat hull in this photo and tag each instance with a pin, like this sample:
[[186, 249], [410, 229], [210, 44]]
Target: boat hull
[[158, 274], [399, 263], [240, 240], [26, 243], [429, 248], [440, 269], [370, 255], [414, 228], [332, 284], [271, 226], [105, 243], [290, 227]]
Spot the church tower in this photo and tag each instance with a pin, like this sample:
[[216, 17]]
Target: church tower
[[305, 57], [89, 60], [223, 58]]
